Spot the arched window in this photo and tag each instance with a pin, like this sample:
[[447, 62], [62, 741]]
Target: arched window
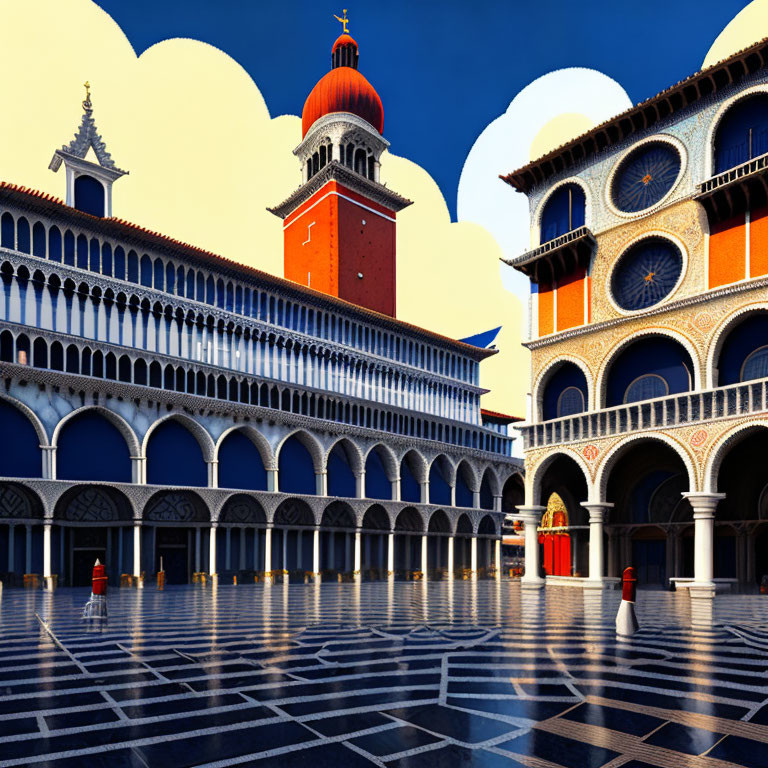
[[756, 365], [646, 387], [563, 212], [89, 195], [742, 133], [571, 401]]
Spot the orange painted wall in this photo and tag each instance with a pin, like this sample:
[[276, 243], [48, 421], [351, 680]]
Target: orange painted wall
[[313, 263], [570, 301], [758, 242], [546, 309], [326, 246], [366, 249], [727, 251]]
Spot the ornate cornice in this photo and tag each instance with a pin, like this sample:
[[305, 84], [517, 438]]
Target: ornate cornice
[[335, 171]]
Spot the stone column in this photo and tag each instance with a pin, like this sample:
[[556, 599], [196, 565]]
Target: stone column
[[473, 555], [299, 548], [497, 557], [475, 499], [28, 548], [212, 551], [348, 553], [47, 554], [316, 552], [228, 549], [424, 492], [284, 563], [358, 546], [450, 557], [704, 506], [268, 550], [321, 483], [391, 554], [136, 549], [49, 462], [424, 545], [497, 503], [360, 485], [396, 489], [241, 561], [198, 552], [138, 470], [531, 516], [272, 481], [597, 513], [213, 474]]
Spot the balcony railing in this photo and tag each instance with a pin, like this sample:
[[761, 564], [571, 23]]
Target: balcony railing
[[662, 413]]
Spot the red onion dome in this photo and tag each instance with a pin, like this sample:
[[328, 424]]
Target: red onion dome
[[343, 89]]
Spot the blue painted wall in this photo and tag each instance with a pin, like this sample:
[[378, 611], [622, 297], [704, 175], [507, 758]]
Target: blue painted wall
[[296, 472], [439, 489], [377, 486], [660, 356], [92, 448], [409, 487], [240, 464], [746, 337], [19, 444], [463, 493], [341, 479], [174, 457], [89, 195], [567, 375]]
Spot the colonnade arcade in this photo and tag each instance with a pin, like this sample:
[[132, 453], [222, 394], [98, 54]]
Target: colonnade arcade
[[262, 497], [53, 527], [700, 520]]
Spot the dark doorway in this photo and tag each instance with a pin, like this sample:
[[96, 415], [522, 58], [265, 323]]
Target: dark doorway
[[761, 553], [88, 545], [172, 545], [649, 559]]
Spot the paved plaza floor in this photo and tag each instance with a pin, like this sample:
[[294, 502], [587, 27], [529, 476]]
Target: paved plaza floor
[[403, 675]]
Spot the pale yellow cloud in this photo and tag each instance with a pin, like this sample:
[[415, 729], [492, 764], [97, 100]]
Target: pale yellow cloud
[[206, 159], [558, 131], [747, 27]]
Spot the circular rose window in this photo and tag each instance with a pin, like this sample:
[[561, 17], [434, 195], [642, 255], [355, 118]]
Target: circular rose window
[[645, 177], [646, 274]]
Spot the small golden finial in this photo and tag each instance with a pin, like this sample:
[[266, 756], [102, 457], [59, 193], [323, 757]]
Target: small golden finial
[[344, 21], [87, 106]]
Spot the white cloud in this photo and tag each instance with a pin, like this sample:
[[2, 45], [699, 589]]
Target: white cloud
[[506, 145]]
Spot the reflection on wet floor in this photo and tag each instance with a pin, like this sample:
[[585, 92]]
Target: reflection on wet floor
[[466, 673]]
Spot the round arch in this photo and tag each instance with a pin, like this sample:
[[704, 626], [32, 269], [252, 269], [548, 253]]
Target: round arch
[[17, 502], [720, 113], [601, 380], [242, 509], [37, 425], [198, 431], [413, 475], [259, 441], [721, 448], [294, 512], [720, 336], [552, 369], [442, 477], [534, 477], [93, 504], [182, 507], [439, 522], [376, 519], [609, 461], [571, 180], [408, 520], [117, 421], [487, 526], [464, 525], [310, 442], [352, 450], [338, 514]]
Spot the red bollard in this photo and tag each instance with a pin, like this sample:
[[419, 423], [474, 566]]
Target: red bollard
[[629, 585], [96, 607], [626, 619], [99, 579]]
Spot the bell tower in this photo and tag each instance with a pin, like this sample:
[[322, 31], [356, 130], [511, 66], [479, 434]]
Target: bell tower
[[339, 225]]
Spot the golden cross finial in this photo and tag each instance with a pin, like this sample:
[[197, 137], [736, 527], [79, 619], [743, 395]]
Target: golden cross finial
[[344, 21], [87, 106]]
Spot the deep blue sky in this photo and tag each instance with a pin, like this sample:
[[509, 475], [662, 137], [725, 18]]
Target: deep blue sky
[[444, 70]]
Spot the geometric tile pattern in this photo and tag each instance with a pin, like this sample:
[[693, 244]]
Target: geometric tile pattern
[[403, 675]]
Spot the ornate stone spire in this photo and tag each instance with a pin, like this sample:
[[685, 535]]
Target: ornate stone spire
[[82, 174]]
